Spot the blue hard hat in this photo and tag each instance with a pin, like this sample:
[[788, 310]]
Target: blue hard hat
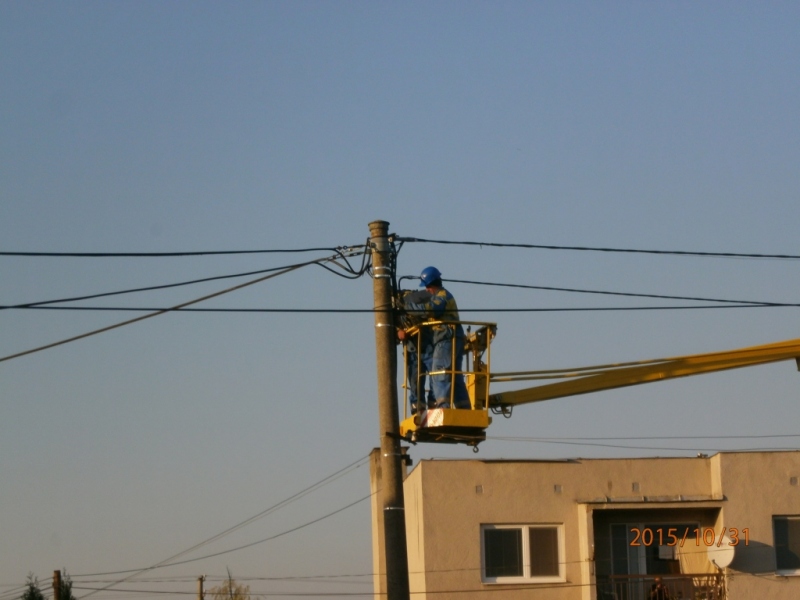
[[428, 276]]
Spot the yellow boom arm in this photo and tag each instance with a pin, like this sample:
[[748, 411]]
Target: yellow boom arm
[[607, 377]]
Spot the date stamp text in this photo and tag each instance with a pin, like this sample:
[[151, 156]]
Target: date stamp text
[[706, 536]]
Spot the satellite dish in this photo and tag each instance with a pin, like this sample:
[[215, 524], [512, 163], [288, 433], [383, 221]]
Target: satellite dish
[[721, 555]]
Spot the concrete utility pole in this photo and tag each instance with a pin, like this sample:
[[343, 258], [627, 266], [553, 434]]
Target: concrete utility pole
[[56, 585], [200, 581], [391, 501]]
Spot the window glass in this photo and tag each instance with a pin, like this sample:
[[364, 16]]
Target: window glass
[[518, 553], [503, 552], [787, 543], [544, 551], [619, 549]]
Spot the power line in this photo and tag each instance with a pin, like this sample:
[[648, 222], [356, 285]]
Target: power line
[[309, 578], [601, 249], [165, 562], [15, 592], [272, 537], [626, 294], [401, 239], [140, 289], [664, 448], [323, 482], [529, 586], [197, 310], [329, 479], [175, 254], [663, 437], [624, 308], [304, 492], [181, 308], [148, 316], [158, 312], [348, 268]]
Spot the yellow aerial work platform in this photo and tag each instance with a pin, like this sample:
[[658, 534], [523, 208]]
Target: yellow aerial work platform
[[450, 424], [468, 425]]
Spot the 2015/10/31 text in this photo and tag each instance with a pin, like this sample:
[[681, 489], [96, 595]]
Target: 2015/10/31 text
[[706, 536]]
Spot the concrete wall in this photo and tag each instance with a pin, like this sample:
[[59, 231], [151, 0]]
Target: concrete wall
[[758, 486], [447, 501]]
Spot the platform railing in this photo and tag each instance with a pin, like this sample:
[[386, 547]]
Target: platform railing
[[477, 361]]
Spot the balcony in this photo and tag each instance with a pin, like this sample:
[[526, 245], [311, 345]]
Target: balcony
[[702, 586]]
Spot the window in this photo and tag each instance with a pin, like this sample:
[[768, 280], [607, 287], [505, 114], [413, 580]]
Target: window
[[516, 553], [787, 544]]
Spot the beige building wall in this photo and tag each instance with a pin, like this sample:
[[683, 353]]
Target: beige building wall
[[759, 485], [447, 501]]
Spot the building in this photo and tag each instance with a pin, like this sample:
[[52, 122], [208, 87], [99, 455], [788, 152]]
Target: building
[[587, 529]]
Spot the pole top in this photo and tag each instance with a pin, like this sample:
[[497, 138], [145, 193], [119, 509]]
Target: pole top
[[378, 228]]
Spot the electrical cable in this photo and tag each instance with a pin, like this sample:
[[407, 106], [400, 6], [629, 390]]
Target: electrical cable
[[148, 316], [354, 273], [297, 496], [155, 592], [601, 249], [627, 294], [529, 586], [159, 312], [277, 535], [166, 286], [622, 308], [326, 579], [14, 592], [141, 289], [670, 449], [660, 437], [165, 562], [181, 308], [362, 575], [167, 254], [160, 579], [171, 564], [196, 310], [306, 578], [285, 502]]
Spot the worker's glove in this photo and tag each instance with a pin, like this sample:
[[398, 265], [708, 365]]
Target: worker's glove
[[400, 298]]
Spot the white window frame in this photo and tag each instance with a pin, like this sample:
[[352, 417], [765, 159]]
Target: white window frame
[[779, 571], [526, 555]]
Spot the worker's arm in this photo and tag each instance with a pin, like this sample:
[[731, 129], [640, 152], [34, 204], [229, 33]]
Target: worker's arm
[[419, 303]]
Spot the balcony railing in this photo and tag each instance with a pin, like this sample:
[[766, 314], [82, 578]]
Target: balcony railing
[[701, 586]]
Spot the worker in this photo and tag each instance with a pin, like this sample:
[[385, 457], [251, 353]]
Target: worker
[[442, 307], [419, 352]]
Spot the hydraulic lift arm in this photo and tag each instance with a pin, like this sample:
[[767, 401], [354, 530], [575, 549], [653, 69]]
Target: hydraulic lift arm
[[606, 377]]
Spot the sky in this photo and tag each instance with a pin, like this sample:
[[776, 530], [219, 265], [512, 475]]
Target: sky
[[205, 126]]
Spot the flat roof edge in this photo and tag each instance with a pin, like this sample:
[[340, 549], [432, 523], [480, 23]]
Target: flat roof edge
[[679, 498]]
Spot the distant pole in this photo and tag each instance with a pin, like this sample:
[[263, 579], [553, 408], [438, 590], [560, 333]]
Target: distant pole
[[56, 585], [200, 581], [392, 503]]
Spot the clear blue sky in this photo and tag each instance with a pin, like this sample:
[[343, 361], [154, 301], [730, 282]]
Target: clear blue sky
[[179, 126]]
